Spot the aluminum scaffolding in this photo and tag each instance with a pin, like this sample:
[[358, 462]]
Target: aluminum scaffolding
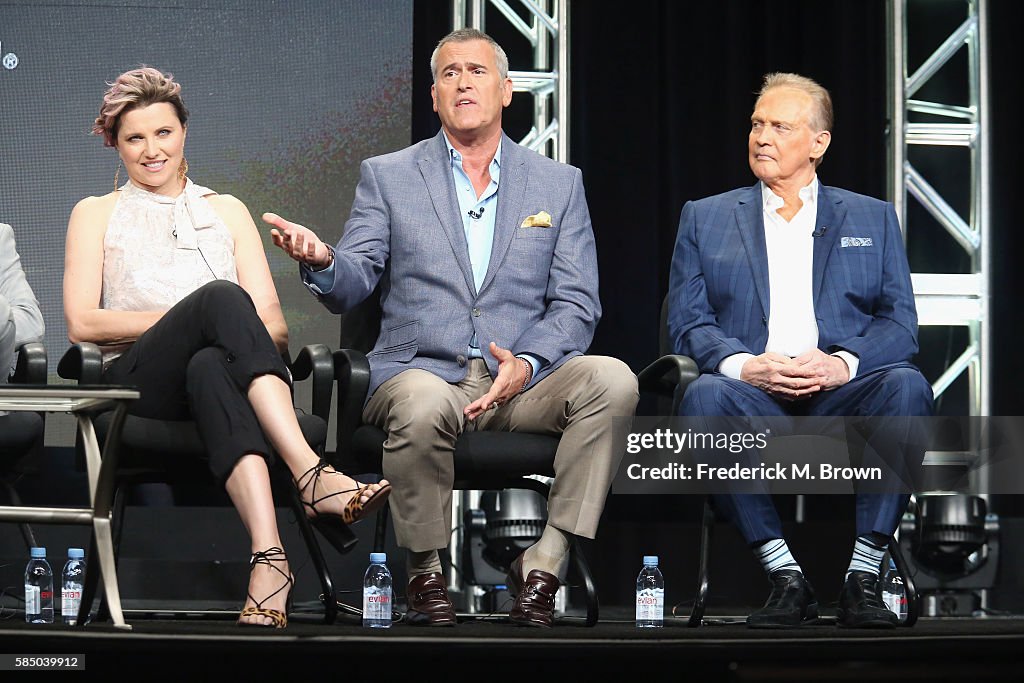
[[546, 28], [950, 299], [545, 25]]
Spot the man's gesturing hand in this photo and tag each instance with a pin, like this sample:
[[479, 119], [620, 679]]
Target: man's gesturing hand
[[510, 379], [299, 242]]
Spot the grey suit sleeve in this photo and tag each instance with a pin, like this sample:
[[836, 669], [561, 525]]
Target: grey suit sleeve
[[574, 307], [20, 318], [363, 250]]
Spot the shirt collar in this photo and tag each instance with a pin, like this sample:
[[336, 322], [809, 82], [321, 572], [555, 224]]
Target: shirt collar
[[456, 156], [772, 202]]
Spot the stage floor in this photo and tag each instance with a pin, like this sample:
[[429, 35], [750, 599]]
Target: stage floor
[[186, 648]]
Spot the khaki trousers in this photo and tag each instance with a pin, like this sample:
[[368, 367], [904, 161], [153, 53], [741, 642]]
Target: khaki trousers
[[422, 415]]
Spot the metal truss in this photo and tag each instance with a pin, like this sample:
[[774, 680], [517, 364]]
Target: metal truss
[[546, 27], [949, 299], [957, 299]]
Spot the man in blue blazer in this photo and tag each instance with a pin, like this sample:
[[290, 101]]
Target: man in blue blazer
[[794, 298], [489, 290]]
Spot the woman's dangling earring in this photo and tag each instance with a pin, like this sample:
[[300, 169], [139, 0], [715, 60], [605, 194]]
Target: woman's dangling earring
[[182, 168], [117, 175]]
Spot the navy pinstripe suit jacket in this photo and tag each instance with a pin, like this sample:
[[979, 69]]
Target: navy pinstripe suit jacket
[[718, 288]]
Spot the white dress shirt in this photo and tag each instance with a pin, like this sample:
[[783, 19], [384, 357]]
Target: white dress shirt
[[792, 325]]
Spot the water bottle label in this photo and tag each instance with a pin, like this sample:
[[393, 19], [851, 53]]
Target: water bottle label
[[650, 604], [561, 599], [70, 600], [894, 601], [377, 605], [32, 602]]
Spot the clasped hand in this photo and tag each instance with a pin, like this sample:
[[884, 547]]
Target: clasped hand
[[511, 375], [795, 378]]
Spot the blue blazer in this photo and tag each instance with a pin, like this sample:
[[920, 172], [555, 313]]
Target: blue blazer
[[718, 287], [540, 293]]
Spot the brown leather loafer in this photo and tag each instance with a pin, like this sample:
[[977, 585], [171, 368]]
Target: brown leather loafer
[[535, 596], [429, 604]]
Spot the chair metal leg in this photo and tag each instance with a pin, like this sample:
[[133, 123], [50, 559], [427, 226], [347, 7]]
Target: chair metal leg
[[92, 571], [707, 524], [380, 533], [583, 569], [28, 535], [913, 599], [327, 595], [117, 529], [111, 593], [26, 530]]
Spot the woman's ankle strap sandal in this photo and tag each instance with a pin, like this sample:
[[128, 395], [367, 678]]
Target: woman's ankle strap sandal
[[277, 618]]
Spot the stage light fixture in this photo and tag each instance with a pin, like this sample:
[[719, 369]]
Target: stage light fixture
[[951, 534], [504, 524], [954, 552]]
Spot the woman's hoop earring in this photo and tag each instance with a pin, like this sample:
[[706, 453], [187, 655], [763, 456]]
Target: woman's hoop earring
[[117, 175]]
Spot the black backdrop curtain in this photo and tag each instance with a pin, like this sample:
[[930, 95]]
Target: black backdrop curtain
[[661, 98]]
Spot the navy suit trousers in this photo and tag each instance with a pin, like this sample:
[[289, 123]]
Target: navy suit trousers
[[893, 390]]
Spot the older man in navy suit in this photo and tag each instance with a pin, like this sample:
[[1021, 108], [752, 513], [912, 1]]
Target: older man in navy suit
[[488, 273], [794, 298]]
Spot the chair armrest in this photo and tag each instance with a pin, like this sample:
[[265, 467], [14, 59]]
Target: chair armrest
[[352, 372], [664, 375], [316, 360], [84, 362], [32, 364]]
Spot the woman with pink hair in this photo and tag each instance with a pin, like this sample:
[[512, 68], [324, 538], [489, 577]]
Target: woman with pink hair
[[171, 280]]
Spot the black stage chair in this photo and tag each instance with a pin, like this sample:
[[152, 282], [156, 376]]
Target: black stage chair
[[171, 452], [668, 378], [483, 460], [21, 433]]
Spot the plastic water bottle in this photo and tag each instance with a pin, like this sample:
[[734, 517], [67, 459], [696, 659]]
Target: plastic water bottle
[[377, 593], [650, 595], [894, 593], [38, 589], [71, 586]]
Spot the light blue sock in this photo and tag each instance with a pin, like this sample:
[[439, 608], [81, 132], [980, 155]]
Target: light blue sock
[[774, 555], [867, 554]]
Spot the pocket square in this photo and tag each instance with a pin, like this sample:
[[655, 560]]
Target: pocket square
[[856, 242], [538, 220]]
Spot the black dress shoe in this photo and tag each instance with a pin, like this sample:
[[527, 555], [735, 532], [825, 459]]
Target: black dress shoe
[[861, 606], [534, 596], [790, 604], [429, 604]]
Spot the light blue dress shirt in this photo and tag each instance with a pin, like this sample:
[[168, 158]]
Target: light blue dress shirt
[[477, 221], [478, 214]]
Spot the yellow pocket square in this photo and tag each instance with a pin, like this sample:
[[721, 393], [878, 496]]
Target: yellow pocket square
[[538, 220]]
